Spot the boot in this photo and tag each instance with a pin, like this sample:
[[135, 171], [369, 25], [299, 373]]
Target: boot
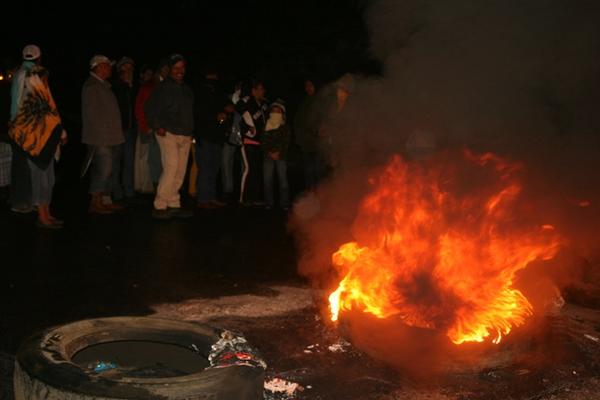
[[97, 206]]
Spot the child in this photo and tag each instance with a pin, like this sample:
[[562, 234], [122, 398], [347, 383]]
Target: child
[[276, 140]]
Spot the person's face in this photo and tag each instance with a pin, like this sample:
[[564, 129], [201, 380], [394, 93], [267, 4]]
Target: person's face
[[178, 71], [126, 72], [103, 70], [342, 95], [309, 88], [147, 75], [258, 92]]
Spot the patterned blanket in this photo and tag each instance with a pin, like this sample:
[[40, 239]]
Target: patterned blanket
[[37, 127]]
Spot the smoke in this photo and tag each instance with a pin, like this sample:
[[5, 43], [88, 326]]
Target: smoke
[[518, 78]]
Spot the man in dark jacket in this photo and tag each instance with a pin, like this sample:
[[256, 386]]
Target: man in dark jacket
[[124, 90], [170, 113], [210, 127], [306, 131]]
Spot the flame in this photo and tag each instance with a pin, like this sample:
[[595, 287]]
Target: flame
[[438, 246]]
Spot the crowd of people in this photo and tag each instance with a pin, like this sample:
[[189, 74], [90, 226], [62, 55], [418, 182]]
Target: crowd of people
[[139, 134]]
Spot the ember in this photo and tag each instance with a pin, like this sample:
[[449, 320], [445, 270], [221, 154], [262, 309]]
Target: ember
[[437, 245]]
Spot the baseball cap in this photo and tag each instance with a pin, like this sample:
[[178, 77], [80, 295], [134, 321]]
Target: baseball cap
[[123, 61], [31, 52], [100, 59]]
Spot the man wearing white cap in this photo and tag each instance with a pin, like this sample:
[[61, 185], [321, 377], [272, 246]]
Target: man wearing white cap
[[101, 131]]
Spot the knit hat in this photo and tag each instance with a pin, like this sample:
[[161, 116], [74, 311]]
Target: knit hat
[[278, 103], [123, 61], [31, 52], [175, 58]]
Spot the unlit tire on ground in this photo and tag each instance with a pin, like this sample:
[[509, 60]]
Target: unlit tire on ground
[[44, 368]]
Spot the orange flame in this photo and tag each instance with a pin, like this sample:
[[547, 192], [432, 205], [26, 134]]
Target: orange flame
[[438, 247]]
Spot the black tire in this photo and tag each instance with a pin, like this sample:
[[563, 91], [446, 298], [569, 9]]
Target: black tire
[[43, 367]]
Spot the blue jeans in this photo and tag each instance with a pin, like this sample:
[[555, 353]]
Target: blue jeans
[[42, 183], [102, 165], [208, 158], [269, 167]]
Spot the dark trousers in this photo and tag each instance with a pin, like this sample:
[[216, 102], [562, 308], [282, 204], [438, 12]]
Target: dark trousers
[[20, 185], [315, 168], [254, 180], [123, 167], [208, 159]]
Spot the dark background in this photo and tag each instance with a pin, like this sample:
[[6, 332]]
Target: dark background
[[279, 41]]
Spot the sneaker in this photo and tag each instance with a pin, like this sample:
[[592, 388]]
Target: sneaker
[[161, 214], [218, 203], [179, 212], [206, 206]]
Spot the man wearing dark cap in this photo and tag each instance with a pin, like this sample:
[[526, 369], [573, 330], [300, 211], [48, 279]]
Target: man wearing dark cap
[[169, 112], [125, 92]]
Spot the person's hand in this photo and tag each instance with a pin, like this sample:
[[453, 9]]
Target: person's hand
[[274, 155], [252, 131], [161, 132], [63, 138]]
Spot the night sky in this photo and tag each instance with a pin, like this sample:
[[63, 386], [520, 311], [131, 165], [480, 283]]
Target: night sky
[[509, 59], [280, 41]]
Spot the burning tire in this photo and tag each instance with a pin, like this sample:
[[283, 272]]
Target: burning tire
[[48, 366]]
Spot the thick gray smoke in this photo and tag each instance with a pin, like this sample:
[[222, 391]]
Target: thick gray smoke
[[515, 76], [519, 78]]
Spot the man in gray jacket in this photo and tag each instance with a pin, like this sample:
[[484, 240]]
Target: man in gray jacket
[[169, 112], [101, 131]]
